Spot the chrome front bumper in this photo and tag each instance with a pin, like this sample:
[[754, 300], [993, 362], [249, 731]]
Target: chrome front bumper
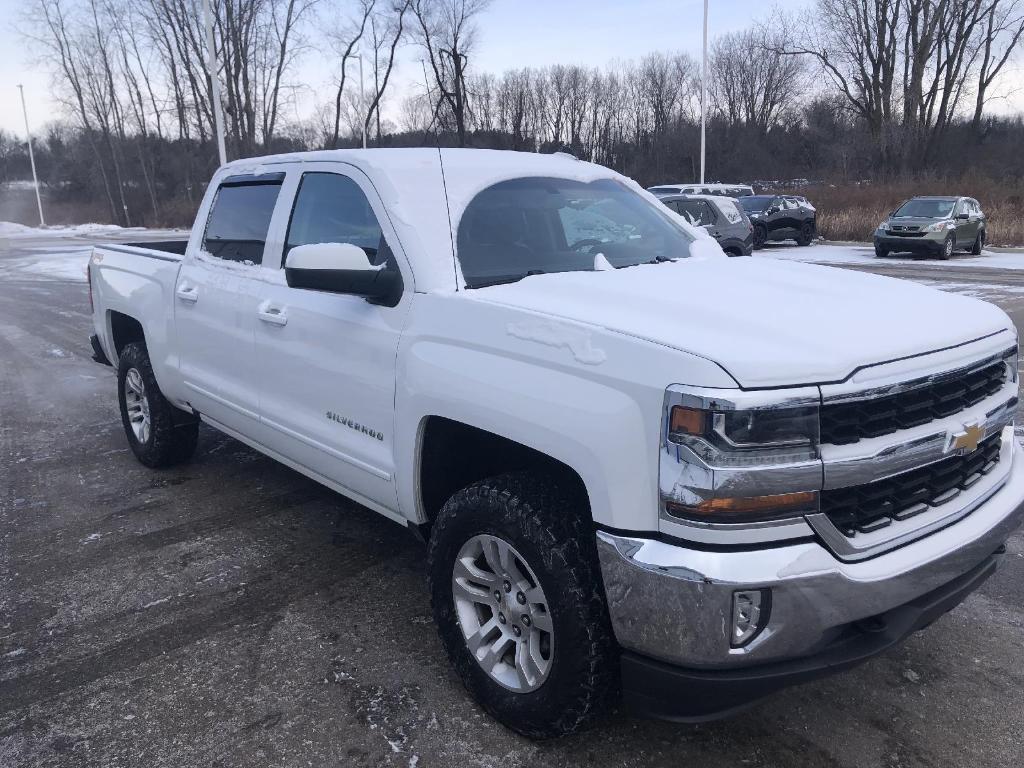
[[673, 603]]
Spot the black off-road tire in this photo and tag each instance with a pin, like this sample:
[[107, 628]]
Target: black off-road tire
[[173, 432], [547, 522], [979, 244], [760, 236], [806, 235]]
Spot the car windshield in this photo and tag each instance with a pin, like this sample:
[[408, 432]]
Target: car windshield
[[755, 202], [925, 209], [533, 226], [664, 190]]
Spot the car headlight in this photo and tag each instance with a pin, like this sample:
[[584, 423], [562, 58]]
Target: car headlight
[[940, 226], [739, 458], [884, 226]]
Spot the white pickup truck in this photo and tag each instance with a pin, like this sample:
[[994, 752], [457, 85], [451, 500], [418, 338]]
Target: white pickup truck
[[643, 470]]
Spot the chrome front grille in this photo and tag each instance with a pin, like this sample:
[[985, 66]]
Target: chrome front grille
[[849, 422], [872, 506]]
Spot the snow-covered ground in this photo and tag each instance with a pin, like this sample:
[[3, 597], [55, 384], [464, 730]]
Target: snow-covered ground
[[829, 253], [62, 252], [9, 229]]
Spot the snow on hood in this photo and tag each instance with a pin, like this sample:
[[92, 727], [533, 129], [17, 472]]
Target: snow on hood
[[768, 323]]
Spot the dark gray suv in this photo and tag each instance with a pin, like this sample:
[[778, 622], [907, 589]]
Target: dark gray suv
[[722, 217], [933, 226]]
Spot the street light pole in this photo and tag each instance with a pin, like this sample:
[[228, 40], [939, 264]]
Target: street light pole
[[362, 99], [31, 157], [211, 65], [704, 94], [362, 94]]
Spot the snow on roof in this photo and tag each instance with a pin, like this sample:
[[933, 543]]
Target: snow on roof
[[425, 190]]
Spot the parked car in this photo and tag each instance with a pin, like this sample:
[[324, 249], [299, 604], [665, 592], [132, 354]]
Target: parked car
[[721, 217], [934, 226], [780, 217], [725, 190], [639, 465]]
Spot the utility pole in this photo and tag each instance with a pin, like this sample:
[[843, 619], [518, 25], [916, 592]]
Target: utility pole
[[704, 94], [362, 94], [211, 64], [31, 157], [362, 99]]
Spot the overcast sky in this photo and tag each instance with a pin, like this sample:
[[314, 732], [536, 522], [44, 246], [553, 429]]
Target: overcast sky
[[512, 33]]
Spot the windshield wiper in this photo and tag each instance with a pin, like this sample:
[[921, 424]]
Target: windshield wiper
[[505, 279]]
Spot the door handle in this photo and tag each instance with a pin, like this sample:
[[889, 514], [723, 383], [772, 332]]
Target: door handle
[[273, 315], [187, 292]]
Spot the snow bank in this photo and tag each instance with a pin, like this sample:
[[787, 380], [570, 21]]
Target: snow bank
[[10, 229]]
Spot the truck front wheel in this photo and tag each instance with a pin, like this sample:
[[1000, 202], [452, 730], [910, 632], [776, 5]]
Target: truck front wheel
[[517, 595], [159, 434]]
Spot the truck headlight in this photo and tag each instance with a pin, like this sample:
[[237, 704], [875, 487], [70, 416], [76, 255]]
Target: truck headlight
[[767, 435], [940, 226], [884, 226], [734, 459]]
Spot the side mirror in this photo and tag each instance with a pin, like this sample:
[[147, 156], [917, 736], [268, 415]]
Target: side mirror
[[341, 268], [773, 210], [963, 216]]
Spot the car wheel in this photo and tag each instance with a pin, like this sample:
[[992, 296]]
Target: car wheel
[[947, 247], [881, 252], [979, 244], [159, 434], [760, 235], [517, 595], [806, 234]]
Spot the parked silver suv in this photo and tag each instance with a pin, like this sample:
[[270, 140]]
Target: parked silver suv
[[934, 226]]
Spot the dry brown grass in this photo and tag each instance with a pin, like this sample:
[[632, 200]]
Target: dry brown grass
[[850, 212]]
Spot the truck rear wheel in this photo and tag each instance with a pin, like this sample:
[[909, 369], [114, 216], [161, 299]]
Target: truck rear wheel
[[519, 603], [159, 434]]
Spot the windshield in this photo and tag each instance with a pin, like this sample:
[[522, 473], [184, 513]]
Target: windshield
[[664, 190], [537, 225], [926, 209], [755, 202]]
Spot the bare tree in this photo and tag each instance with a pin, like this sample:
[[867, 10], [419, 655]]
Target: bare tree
[[446, 30], [1002, 32], [387, 31], [344, 43]]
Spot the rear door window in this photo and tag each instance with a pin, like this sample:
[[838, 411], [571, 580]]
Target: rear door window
[[731, 210], [236, 229]]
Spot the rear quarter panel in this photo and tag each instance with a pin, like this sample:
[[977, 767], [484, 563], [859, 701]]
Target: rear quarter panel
[[139, 283]]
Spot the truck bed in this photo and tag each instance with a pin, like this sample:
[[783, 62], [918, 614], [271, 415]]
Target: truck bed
[[156, 248]]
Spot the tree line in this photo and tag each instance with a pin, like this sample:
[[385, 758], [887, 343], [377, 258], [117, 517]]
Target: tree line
[[845, 91]]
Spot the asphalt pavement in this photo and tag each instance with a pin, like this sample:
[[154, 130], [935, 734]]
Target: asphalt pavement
[[231, 612]]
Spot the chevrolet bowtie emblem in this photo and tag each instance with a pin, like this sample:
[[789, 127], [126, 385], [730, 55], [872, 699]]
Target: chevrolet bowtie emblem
[[967, 441]]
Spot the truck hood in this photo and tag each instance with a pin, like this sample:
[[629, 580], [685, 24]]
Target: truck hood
[[768, 323]]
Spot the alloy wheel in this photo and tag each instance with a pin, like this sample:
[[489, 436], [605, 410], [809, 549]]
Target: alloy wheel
[[503, 613], [137, 405]]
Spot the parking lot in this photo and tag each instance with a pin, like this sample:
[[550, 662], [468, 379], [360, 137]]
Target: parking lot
[[232, 612]]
